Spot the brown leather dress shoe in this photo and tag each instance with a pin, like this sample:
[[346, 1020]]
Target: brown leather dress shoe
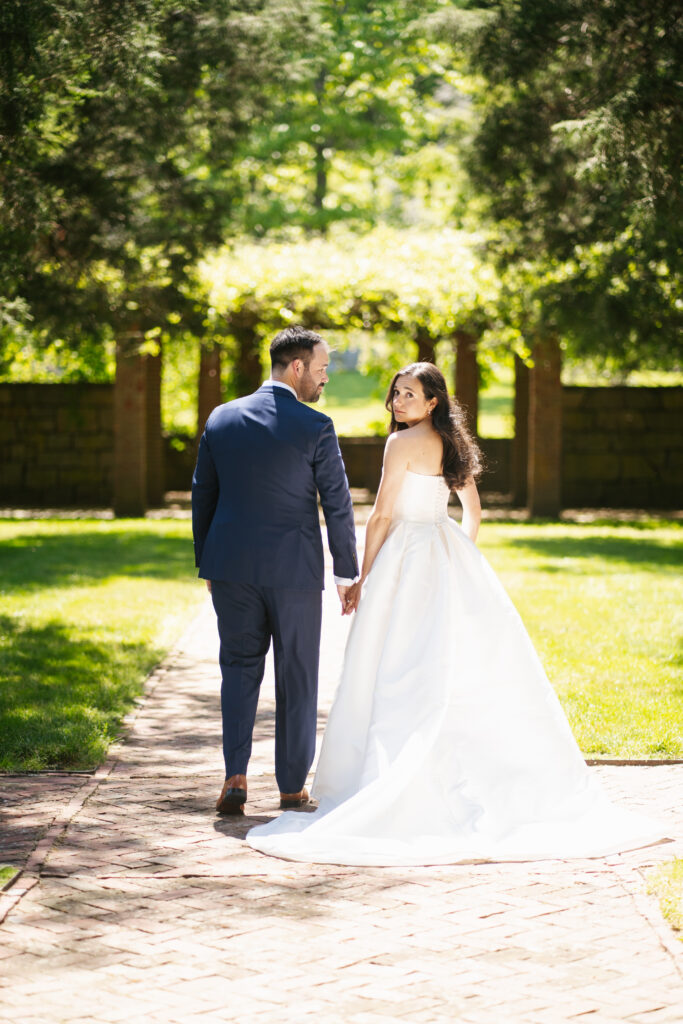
[[292, 801], [233, 795]]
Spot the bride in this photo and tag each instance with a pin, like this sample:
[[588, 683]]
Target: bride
[[445, 742]]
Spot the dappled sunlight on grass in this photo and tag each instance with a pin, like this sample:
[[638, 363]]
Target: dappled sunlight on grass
[[87, 608], [49, 553], [86, 611]]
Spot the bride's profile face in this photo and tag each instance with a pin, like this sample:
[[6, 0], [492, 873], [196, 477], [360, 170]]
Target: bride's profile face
[[408, 401]]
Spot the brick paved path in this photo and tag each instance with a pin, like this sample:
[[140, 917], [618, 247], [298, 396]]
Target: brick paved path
[[140, 905]]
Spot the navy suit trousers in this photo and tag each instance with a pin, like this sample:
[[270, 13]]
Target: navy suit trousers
[[250, 615]]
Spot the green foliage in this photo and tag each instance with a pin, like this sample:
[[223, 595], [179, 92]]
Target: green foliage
[[388, 282], [368, 132], [7, 873], [120, 124], [577, 152], [666, 882], [72, 663], [179, 385], [135, 137], [79, 632]]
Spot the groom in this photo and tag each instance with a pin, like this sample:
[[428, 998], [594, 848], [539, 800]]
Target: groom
[[262, 462]]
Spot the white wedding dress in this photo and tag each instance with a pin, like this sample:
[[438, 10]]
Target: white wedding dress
[[446, 742]]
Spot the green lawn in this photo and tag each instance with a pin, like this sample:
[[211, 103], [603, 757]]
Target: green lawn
[[604, 607], [496, 405], [356, 404], [87, 608], [666, 882], [7, 873]]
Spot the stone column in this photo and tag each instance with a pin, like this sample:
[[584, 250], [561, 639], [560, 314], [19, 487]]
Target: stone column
[[247, 369], [425, 346], [130, 428], [545, 430], [467, 376], [209, 391], [155, 443], [520, 444]]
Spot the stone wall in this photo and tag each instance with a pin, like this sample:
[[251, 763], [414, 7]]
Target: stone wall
[[622, 447], [57, 444]]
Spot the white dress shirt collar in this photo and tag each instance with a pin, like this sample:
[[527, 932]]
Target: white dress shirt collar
[[281, 384]]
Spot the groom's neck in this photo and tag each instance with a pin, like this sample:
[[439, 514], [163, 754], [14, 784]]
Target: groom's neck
[[285, 377]]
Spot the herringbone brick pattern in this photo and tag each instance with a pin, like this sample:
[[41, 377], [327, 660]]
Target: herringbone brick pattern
[[149, 908]]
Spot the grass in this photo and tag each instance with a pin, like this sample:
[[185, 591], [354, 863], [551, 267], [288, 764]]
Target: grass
[[356, 404], [603, 604], [87, 608], [7, 873], [496, 417], [666, 882]]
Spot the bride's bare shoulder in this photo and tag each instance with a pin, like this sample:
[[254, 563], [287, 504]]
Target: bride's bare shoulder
[[402, 443], [397, 448], [421, 447], [407, 436]]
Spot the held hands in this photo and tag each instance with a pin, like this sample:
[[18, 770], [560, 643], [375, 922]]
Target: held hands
[[349, 597]]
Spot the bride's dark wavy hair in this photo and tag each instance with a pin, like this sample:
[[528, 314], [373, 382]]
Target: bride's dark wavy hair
[[462, 459]]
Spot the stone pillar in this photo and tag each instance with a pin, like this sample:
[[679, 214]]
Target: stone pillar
[[467, 377], [155, 444], [130, 428], [209, 391], [247, 369], [520, 444], [425, 346], [545, 430]]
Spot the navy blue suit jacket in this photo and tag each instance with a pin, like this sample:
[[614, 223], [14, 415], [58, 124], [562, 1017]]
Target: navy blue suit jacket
[[262, 461]]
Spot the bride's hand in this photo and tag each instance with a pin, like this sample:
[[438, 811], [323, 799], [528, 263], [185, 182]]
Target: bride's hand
[[353, 597]]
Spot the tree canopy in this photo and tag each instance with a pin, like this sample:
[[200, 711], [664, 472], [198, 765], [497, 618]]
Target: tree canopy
[[577, 153], [138, 136], [399, 287], [120, 123], [370, 129]]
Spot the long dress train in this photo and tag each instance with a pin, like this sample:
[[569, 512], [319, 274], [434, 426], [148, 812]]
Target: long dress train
[[446, 742]]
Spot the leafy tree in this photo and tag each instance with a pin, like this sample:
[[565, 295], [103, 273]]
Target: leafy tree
[[402, 288], [119, 127], [577, 153], [372, 116]]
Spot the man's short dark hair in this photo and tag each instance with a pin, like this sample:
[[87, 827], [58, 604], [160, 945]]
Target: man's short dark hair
[[293, 343]]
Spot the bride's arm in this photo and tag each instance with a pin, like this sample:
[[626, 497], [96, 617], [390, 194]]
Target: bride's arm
[[471, 509], [393, 472]]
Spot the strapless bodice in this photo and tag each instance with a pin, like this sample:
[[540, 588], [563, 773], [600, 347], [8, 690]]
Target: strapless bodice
[[422, 499]]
